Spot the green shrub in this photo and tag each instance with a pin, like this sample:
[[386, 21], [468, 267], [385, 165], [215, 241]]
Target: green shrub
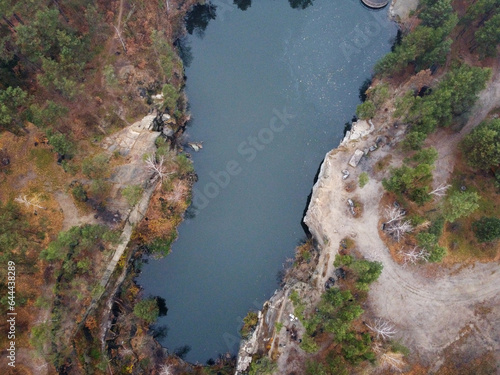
[[315, 368], [487, 229], [40, 335], [162, 146], [335, 364], [161, 246], [96, 167], [343, 260], [83, 265], [420, 195], [435, 12], [366, 110], [46, 115], [460, 204], [379, 94], [363, 179], [77, 239], [132, 194], [147, 310], [170, 97], [10, 100], [488, 36], [437, 227], [416, 220], [405, 180], [414, 140], [425, 156], [42, 157], [110, 76], [262, 366], [167, 58], [99, 187], [398, 347], [366, 271], [437, 254], [356, 349], [249, 323], [427, 240], [308, 345], [184, 164], [79, 193]]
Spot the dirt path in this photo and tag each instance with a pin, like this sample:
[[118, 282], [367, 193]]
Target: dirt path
[[71, 215], [120, 14]]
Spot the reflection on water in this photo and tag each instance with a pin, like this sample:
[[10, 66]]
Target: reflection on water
[[243, 4], [197, 20]]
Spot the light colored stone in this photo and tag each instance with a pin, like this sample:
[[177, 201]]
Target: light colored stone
[[356, 158], [358, 130], [401, 9]]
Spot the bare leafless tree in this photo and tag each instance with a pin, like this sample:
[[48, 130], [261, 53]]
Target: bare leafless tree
[[393, 360], [165, 370], [415, 255], [440, 190], [398, 229], [121, 39], [30, 202], [156, 165], [383, 329], [394, 214], [177, 192]]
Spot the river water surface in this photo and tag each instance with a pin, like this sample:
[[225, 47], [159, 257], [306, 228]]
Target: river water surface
[[270, 89]]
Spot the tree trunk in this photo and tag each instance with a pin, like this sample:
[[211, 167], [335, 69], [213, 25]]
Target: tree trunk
[[61, 11], [18, 19], [11, 25]]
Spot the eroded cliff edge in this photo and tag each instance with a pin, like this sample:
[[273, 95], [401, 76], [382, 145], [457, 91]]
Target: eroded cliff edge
[[432, 309]]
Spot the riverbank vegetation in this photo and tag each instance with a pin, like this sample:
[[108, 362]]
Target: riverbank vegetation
[[443, 62], [440, 203], [335, 336], [73, 75]]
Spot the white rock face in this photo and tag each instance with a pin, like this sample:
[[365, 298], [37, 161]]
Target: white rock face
[[401, 8], [146, 122], [355, 159], [359, 129]]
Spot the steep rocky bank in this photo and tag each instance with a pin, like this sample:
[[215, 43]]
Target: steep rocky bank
[[329, 220], [432, 309]]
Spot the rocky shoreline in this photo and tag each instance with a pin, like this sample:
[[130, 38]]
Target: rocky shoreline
[[358, 142], [309, 284]]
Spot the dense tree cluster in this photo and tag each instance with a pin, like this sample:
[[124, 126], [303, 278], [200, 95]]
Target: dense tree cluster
[[487, 229], [452, 97], [460, 204], [481, 147], [147, 310], [425, 46], [485, 16], [413, 178], [335, 314]]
